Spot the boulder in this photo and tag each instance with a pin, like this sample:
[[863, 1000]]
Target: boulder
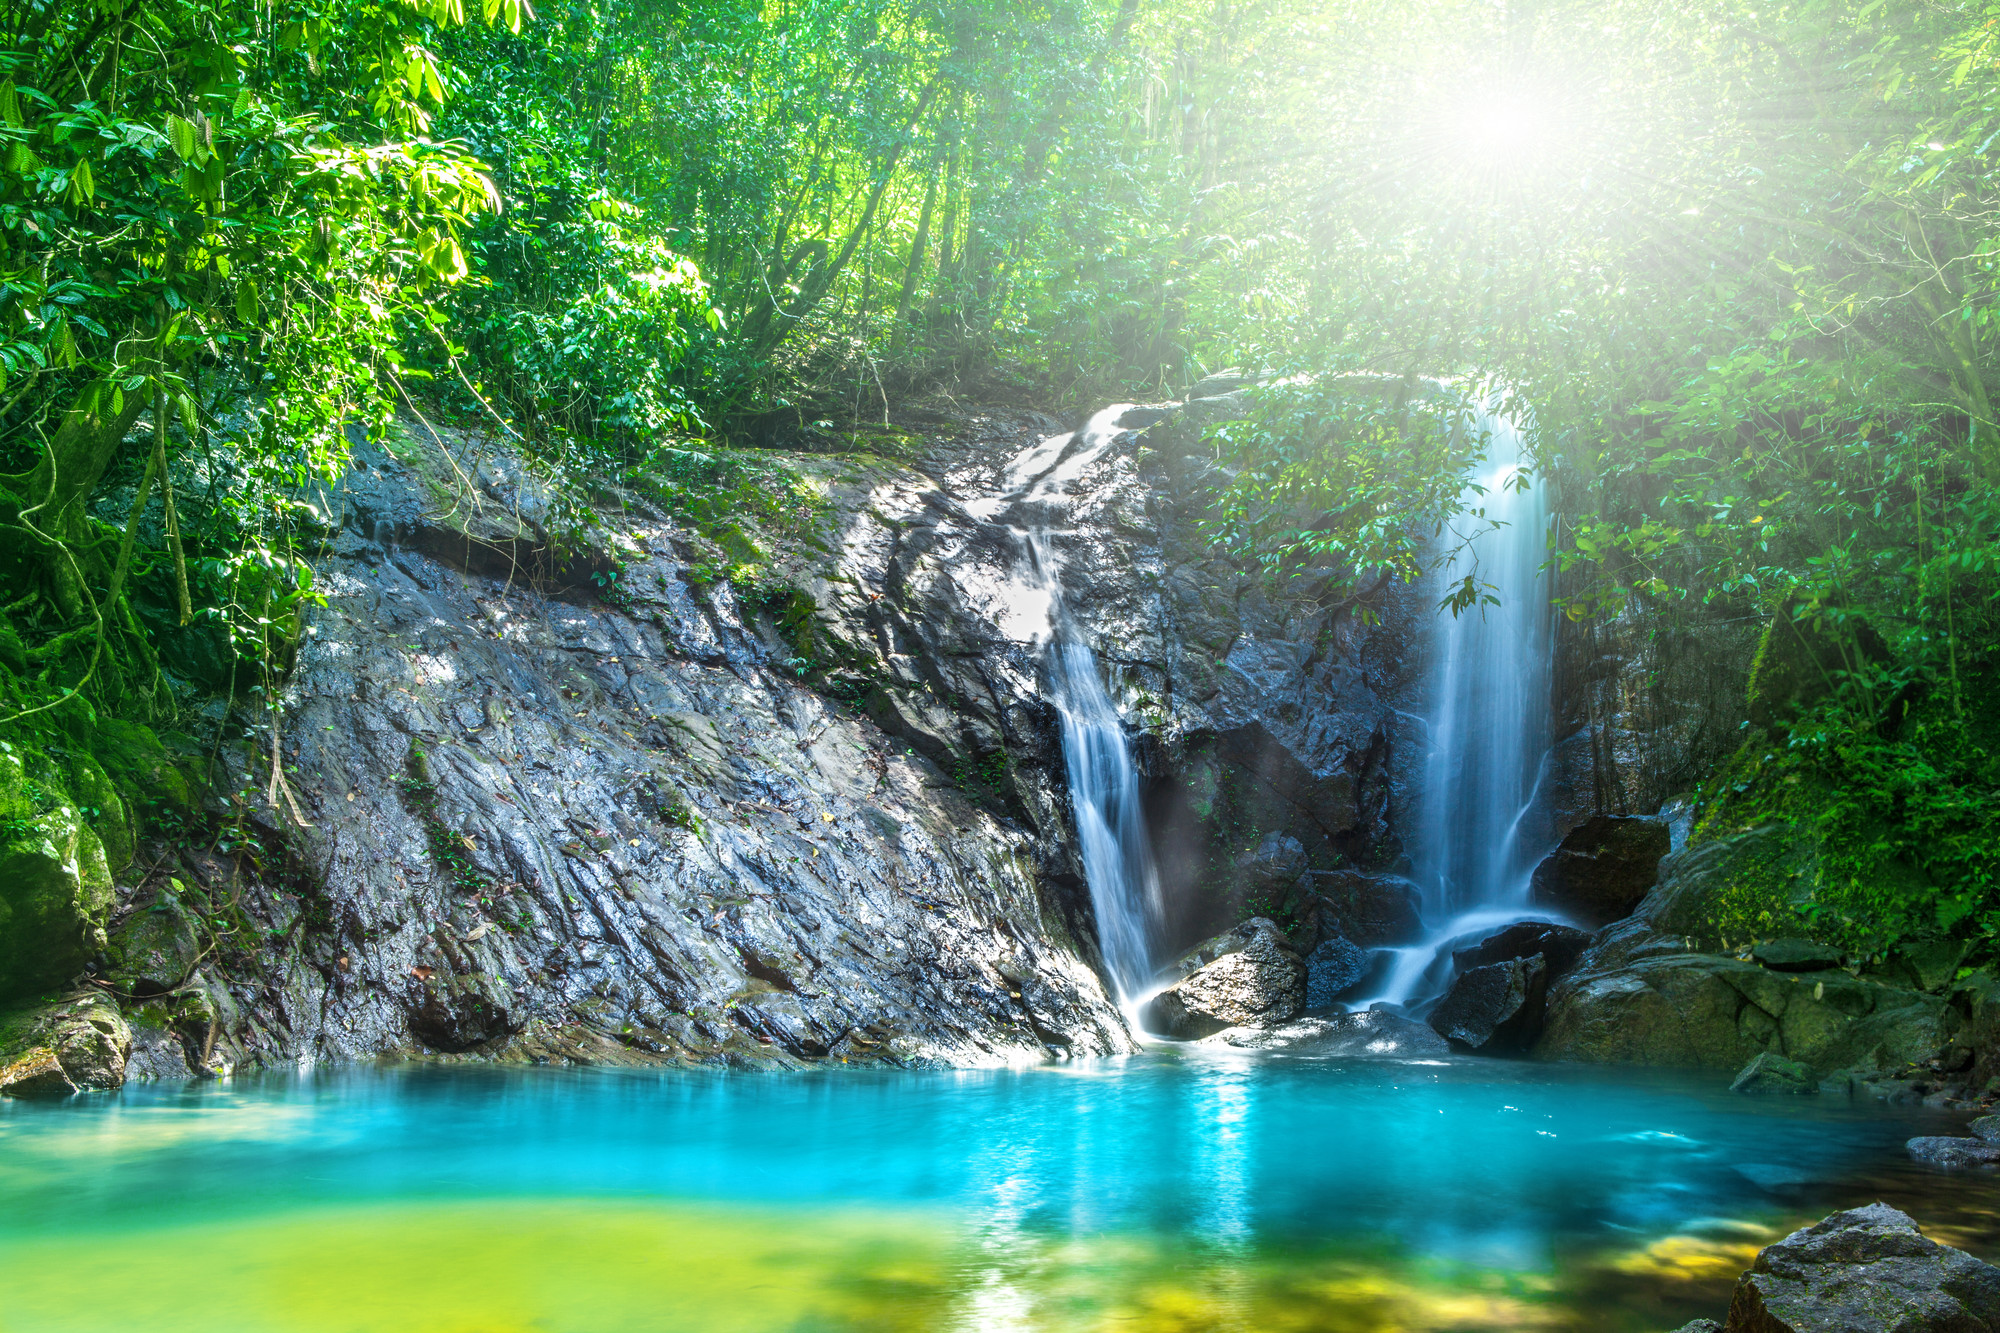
[[1559, 946], [1249, 975], [1495, 1008], [1372, 1035], [1987, 1127], [1862, 1270], [1655, 989], [1602, 869], [155, 947], [1796, 956], [1711, 1012], [1699, 1326], [1774, 1073], [1373, 911], [1951, 1152], [88, 1036], [1333, 966], [34, 1073], [1221, 382]]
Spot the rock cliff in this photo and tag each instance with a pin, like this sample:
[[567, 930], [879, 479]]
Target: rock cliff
[[625, 803]]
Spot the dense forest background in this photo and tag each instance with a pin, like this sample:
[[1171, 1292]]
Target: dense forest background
[[1737, 262]]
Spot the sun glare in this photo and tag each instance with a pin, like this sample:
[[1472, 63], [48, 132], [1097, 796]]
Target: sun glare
[[1511, 123]]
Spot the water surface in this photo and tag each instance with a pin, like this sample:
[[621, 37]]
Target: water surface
[[1170, 1192]]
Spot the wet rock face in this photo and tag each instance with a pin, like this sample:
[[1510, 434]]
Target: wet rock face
[[1868, 1268], [529, 825], [521, 821], [1373, 911], [1246, 977], [1601, 870], [1334, 965], [1559, 946]]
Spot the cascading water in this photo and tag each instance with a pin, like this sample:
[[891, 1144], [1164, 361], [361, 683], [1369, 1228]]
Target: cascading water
[[1491, 727], [1034, 497]]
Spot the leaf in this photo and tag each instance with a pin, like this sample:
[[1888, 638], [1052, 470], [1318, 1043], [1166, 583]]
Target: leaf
[[181, 136]]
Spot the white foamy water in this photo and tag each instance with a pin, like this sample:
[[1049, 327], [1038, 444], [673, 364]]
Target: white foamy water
[[1491, 727], [1033, 496]]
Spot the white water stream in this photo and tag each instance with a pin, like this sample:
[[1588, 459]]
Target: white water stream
[[1489, 717], [1491, 728], [1034, 497]]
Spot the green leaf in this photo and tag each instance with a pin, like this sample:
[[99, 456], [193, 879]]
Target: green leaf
[[181, 136]]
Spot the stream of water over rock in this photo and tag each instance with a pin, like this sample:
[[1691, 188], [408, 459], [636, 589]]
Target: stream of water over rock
[[1489, 719], [1112, 838]]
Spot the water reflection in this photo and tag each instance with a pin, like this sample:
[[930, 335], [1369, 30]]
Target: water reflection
[[1177, 1192]]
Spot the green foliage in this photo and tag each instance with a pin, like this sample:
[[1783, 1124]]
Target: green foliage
[[1346, 479]]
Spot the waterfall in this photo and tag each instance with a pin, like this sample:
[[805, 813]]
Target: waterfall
[[1034, 496], [1490, 717], [1491, 726]]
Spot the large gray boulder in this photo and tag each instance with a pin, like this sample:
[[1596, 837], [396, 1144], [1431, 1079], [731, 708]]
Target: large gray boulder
[[1865, 1270], [1495, 1008], [1247, 976]]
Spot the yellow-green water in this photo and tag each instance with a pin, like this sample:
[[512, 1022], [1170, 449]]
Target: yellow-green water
[[1158, 1196]]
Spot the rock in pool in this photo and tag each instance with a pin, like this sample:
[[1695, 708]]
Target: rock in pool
[[1249, 975], [1770, 1072], [1950, 1152], [1865, 1269], [1373, 1035], [1497, 1007]]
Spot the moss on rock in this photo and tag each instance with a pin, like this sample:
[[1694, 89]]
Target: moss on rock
[[55, 884]]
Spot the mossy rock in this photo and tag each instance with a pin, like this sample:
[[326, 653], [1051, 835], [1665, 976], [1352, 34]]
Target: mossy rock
[[55, 887], [1732, 890], [155, 948], [87, 1033]]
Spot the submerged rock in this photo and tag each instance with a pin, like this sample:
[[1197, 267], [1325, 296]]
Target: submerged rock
[[1495, 1008], [1371, 1035], [1247, 976], [1602, 869], [1951, 1152], [1774, 1073], [1333, 966], [1863, 1270]]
